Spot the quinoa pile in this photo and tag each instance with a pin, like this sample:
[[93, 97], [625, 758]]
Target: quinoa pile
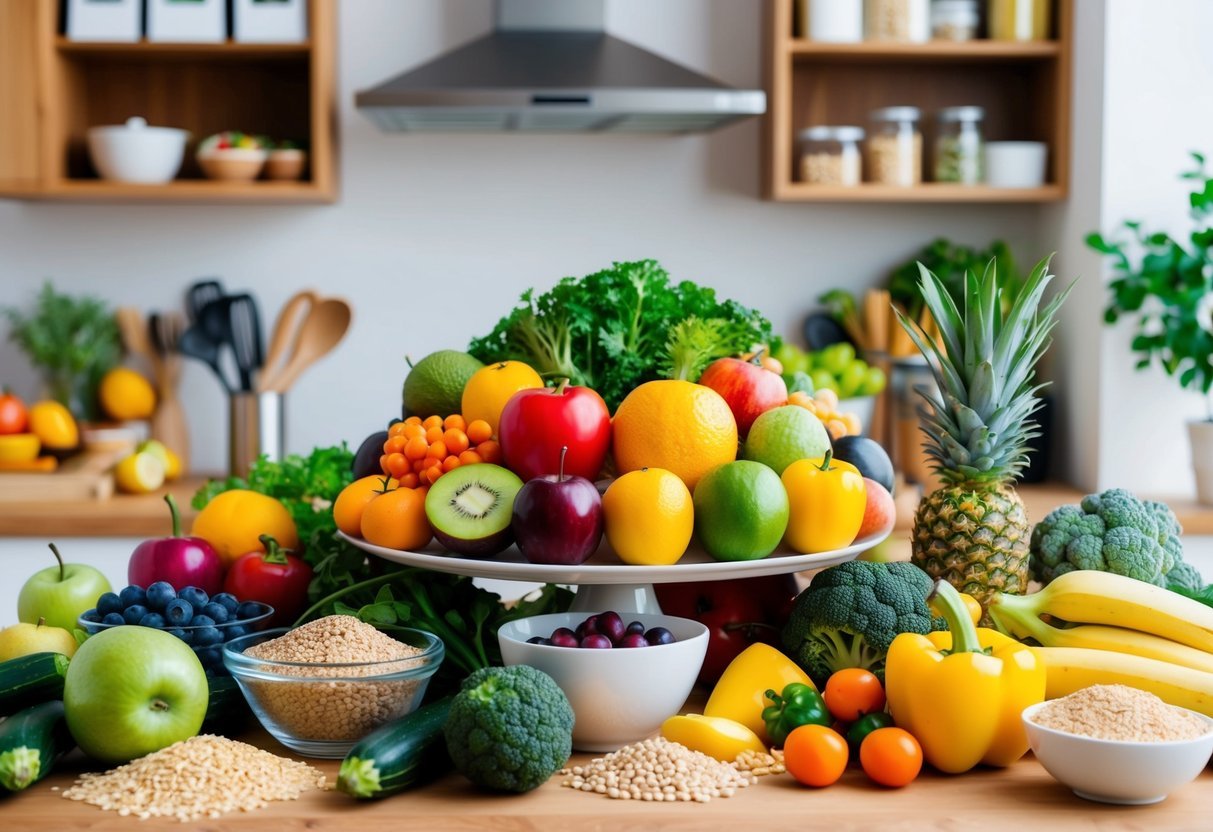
[[1119, 712]]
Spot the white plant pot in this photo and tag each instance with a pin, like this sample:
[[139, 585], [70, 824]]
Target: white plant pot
[[1201, 436]]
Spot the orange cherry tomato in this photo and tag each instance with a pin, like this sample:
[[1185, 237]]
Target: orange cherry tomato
[[891, 757], [815, 755], [478, 431], [469, 458], [395, 445], [396, 429], [383, 464], [852, 692], [455, 422], [433, 434], [456, 440], [413, 432], [413, 420], [409, 480], [450, 463], [432, 422], [397, 465], [416, 448], [489, 451]]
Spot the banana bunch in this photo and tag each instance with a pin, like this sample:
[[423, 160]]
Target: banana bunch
[[1124, 631]]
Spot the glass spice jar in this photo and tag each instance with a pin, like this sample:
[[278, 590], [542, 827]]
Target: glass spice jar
[[908, 21], [895, 147], [959, 146], [829, 155], [954, 20]]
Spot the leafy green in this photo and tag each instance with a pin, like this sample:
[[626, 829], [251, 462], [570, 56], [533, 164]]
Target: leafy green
[[1203, 595], [950, 262], [612, 330]]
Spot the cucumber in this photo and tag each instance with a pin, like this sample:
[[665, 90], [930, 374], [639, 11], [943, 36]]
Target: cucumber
[[31, 680], [398, 756], [31, 741], [226, 708]]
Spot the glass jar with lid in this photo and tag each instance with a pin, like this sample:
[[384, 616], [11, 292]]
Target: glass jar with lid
[[895, 146], [897, 20], [959, 147], [954, 20], [829, 155]]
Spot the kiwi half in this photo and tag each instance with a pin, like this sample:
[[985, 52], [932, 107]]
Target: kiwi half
[[470, 508]]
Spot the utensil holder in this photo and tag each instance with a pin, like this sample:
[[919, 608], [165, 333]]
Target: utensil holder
[[256, 426]]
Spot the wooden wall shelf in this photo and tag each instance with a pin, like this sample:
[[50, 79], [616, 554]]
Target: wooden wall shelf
[[1024, 88], [52, 90]]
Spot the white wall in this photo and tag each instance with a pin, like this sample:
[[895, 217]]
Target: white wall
[[435, 236]]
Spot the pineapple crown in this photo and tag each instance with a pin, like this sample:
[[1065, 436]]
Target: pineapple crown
[[977, 426]]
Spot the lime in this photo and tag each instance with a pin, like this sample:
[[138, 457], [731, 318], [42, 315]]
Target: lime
[[139, 473], [741, 511], [783, 435], [434, 385]]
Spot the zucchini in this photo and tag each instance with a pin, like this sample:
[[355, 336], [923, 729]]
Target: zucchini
[[31, 680], [399, 755], [31, 741], [226, 708]]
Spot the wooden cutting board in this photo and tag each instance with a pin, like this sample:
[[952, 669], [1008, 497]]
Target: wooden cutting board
[[85, 476]]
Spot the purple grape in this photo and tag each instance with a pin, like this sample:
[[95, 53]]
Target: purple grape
[[596, 641], [588, 627], [538, 640], [659, 635], [611, 626], [563, 637], [634, 640], [635, 628]]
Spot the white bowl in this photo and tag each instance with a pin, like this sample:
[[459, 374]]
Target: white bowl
[[1016, 164], [1118, 771], [862, 406], [136, 153], [619, 695]]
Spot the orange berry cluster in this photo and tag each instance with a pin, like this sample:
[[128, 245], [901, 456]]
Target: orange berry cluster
[[419, 451], [824, 405]]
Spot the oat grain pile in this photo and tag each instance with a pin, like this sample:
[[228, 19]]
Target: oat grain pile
[[202, 777], [1119, 712], [660, 770]]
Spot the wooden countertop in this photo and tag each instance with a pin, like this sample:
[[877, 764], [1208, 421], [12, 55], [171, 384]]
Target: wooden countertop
[[986, 799]]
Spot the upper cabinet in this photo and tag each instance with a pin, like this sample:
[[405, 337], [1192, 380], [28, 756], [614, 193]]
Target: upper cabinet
[[52, 90], [1020, 89]]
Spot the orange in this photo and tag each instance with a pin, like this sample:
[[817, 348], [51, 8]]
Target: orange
[[348, 507], [649, 517], [490, 387], [234, 521], [396, 520], [126, 395], [682, 427]]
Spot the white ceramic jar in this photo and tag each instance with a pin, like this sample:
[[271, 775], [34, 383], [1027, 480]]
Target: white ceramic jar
[[907, 21], [136, 153], [833, 21]]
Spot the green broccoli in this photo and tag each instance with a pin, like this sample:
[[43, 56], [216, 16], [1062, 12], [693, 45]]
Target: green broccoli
[[1114, 532], [850, 614], [1184, 576], [510, 728]]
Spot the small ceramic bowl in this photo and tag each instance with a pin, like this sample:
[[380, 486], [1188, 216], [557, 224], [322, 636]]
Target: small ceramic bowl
[[619, 695], [1118, 771], [136, 152], [285, 165], [232, 164], [19, 447]]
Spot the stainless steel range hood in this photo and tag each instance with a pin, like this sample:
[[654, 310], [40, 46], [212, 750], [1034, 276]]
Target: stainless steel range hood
[[549, 66]]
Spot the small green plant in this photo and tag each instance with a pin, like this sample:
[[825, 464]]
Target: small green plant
[[1169, 289], [950, 262]]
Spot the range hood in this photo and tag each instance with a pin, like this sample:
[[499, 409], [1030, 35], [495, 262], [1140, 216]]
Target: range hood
[[550, 66]]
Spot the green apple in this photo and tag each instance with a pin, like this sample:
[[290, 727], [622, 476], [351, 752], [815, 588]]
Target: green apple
[[133, 690], [851, 379], [873, 382], [836, 357], [60, 593], [25, 639], [824, 380]]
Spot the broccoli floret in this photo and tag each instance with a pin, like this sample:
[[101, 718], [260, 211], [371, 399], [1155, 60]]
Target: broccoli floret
[[510, 728], [850, 614], [1112, 531], [1184, 576]]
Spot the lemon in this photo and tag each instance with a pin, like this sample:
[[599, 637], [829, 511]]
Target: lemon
[[139, 473], [126, 395], [172, 462], [649, 517]]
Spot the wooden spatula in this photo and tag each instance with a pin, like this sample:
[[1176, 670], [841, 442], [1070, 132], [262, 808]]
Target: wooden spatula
[[323, 328]]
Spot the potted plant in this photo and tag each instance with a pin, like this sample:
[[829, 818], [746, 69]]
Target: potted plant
[[1168, 288]]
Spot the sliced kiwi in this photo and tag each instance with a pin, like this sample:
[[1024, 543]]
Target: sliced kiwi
[[470, 508]]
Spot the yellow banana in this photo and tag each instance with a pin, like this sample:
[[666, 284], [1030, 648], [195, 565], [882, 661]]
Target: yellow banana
[[1092, 597], [1069, 669]]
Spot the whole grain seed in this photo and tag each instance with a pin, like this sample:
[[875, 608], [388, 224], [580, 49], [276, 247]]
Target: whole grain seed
[[657, 769], [1120, 712], [760, 764]]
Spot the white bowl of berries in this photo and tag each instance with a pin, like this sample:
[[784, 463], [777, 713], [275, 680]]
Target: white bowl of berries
[[232, 156], [624, 674]]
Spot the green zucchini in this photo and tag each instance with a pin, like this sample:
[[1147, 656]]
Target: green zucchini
[[31, 741], [399, 755], [226, 708], [30, 680]]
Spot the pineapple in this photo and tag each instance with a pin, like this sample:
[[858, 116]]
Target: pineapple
[[973, 531]]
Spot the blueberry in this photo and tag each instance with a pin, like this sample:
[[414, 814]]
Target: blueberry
[[177, 632], [112, 619], [133, 595], [659, 635], [107, 603], [91, 616], [205, 636], [250, 609], [228, 601], [216, 612], [212, 655], [152, 619], [197, 598], [159, 594], [201, 620], [178, 612], [538, 640], [134, 613], [635, 629], [234, 631]]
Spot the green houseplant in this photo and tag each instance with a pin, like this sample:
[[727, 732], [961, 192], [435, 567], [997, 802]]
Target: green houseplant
[[1166, 286]]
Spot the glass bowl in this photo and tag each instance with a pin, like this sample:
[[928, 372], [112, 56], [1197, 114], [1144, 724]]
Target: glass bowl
[[323, 709], [211, 653]]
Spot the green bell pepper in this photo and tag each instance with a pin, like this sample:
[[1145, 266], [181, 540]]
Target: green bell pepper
[[798, 705]]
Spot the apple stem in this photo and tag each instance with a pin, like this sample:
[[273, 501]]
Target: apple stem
[[59, 558], [41, 622], [756, 358], [159, 705], [564, 449], [176, 515]]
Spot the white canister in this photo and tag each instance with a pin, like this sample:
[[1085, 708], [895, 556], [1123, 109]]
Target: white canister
[[833, 21], [905, 21], [1016, 164]]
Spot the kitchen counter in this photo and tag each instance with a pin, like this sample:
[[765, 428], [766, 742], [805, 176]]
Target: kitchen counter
[[985, 799], [123, 515]]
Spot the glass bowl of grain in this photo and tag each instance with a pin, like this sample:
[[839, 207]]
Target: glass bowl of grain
[[321, 687], [1118, 744]]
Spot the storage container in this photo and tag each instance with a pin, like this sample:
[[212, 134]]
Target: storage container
[[895, 147], [832, 21], [830, 155], [955, 20], [898, 20], [1020, 19], [1016, 164], [959, 150]]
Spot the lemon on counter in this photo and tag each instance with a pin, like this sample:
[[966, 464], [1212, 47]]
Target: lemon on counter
[[53, 423], [139, 473], [126, 395], [172, 462]]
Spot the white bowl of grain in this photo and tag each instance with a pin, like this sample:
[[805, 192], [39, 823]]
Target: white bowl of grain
[[320, 688], [1117, 744]]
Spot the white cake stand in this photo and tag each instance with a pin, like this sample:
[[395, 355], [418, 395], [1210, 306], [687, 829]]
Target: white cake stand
[[604, 583]]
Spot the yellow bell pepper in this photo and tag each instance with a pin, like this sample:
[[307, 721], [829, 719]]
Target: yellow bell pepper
[[827, 498], [961, 692], [715, 736], [740, 695]]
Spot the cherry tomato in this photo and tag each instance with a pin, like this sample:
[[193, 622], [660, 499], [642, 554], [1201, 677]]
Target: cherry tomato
[[815, 755], [891, 757], [852, 692], [13, 416]]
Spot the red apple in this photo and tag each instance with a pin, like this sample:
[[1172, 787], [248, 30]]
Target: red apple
[[536, 423], [557, 518], [880, 513], [182, 561], [749, 389]]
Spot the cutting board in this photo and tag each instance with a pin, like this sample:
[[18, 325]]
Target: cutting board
[[85, 476]]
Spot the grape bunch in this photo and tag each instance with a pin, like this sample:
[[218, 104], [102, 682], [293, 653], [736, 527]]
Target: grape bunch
[[203, 622], [604, 631]]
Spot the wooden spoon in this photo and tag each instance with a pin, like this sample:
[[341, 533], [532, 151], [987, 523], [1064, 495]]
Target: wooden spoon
[[133, 329], [284, 340], [323, 328]]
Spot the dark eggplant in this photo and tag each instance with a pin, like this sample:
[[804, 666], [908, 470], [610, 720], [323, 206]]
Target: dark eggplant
[[868, 456], [366, 460]]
